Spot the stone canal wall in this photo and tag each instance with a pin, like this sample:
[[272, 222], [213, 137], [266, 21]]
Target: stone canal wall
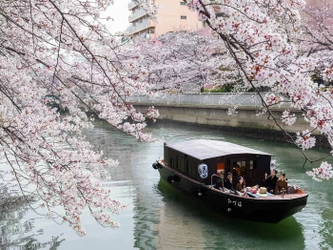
[[246, 119]]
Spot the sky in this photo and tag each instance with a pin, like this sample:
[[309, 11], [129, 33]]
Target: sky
[[119, 12]]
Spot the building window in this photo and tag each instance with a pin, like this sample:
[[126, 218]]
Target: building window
[[183, 17], [182, 3]]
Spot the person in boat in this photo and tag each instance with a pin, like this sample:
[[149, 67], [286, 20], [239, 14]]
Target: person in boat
[[270, 181], [281, 184], [240, 185], [228, 181]]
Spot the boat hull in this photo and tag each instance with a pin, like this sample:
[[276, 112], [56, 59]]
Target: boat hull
[[268, 209]]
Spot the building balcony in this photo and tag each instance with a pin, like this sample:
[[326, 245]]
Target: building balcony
[[145, 24], [142, 37], [132, 5], [136, 15]]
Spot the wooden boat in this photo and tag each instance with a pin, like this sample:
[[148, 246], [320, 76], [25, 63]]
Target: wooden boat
[[200, 166]]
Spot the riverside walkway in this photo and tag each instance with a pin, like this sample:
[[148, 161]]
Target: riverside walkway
[[205, 99]]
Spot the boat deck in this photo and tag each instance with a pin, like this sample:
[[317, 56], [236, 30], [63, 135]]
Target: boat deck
[[299, 194]]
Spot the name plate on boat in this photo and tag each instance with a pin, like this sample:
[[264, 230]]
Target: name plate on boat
[[203, 171]]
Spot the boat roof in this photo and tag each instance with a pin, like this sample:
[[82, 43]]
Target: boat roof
[[206, 149]]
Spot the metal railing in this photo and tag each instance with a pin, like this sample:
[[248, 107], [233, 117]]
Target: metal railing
[[131, 5], [146, 23], [137, 14]]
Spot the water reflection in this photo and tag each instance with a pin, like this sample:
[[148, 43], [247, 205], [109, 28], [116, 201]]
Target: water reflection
[[180, 224], [327, 229], [163, 218], [160, 217], [186, 222], [16, 232]]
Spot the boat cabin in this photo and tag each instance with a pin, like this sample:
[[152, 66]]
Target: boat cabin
[[204, 160]]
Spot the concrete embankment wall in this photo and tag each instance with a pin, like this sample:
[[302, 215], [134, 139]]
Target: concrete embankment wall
[[245, 117], [245, 121]]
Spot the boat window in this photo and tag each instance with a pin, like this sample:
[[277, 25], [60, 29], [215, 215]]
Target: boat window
[[180, 164], [191, 169], [253, 170], [239, 168], [172, 162], [220, 167]]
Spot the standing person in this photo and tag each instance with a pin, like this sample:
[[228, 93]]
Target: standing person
[[281, 184], [270, 181], [228, 181], [240, 185]]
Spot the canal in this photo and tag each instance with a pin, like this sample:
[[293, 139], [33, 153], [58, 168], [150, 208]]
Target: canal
[[159, 217]]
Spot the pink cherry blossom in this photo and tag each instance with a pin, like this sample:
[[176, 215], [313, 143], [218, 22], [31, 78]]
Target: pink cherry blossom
[[324, 172], [278, 46], [58, 64]]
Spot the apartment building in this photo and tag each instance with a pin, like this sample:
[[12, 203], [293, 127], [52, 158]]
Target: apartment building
[[172, 15]]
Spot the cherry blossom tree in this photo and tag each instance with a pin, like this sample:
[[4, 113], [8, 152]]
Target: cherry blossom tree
[[200, 58], [58, 62], [316, 42], [317, 38], [262, 37]]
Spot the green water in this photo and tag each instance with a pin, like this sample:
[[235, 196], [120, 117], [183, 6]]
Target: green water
[[159, 217]]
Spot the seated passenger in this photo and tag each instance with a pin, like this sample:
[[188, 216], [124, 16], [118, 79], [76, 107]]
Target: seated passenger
[[281, 184], [228, 181], [240, 185], [270, 181]]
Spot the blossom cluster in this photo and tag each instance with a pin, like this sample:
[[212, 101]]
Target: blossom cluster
[[324, 172], [305, 140], [183, 61], [288, 118]]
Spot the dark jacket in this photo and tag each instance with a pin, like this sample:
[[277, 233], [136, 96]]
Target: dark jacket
[[270, 183], [228, 184]]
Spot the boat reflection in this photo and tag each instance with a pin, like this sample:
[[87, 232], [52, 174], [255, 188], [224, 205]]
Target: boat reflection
[[198, 227]]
